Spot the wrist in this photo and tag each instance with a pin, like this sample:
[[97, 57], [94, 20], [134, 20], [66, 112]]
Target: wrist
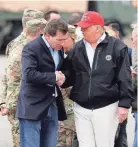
[[56, 77]]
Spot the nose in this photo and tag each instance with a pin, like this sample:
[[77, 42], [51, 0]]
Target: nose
[[62, 43]]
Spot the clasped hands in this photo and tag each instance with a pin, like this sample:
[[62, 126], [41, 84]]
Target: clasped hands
[[60, 78]]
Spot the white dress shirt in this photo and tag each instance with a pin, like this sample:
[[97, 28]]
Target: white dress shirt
[[56, 58], [91, 51]]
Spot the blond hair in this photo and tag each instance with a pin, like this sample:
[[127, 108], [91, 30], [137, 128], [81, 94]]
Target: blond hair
[[72, 32]]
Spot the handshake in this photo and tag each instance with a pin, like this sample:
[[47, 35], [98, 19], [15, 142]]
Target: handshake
[[60, 78]]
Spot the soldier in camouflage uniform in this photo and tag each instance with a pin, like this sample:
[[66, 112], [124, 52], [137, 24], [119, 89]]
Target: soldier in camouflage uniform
[[28, 14], [66, 131], [33, 28]]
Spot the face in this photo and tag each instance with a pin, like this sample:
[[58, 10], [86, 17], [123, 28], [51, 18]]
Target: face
[[58, 40], [68, 44], [92, 33], [54, 16], [41, 30], [110, 29], [135, 38]]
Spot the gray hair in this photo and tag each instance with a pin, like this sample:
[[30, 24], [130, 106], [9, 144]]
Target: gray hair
[[56, 25]]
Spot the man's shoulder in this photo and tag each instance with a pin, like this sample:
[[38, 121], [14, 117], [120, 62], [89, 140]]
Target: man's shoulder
[[33, 45], [72, 52], [15, 42], [77, 46], [79, 43], [17, 51], [118, 44], [20, 37]]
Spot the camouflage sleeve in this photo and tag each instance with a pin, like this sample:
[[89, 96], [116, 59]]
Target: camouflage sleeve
[[8, 48], [66, 92], [14, 79], [3, 89], [67, 102]]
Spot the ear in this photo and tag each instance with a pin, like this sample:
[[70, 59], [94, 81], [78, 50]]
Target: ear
[[117, 33], [47, 36], [98, 28]]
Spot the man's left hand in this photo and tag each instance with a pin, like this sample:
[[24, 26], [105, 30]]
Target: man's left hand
[[4, 110], [61, 78], [122, 114]]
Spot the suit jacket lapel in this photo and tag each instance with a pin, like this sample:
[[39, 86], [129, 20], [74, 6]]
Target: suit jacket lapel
[[45, 47], [102, 54], [83, 58], [61, 56], [61, 52]]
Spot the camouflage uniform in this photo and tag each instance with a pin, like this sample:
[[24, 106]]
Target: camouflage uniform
[[13, 44], [19, 39], [11, 85], [67, 131]]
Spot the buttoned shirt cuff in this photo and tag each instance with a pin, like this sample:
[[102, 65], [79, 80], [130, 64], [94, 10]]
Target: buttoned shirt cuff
[[56, 77]]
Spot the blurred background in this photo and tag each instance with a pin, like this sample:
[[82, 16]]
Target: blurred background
[[122, 11]]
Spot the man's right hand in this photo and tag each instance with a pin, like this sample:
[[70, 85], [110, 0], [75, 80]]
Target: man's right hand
[[4, 110], [60, 78]]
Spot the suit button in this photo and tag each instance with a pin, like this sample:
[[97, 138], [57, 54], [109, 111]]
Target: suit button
[[53, 94]]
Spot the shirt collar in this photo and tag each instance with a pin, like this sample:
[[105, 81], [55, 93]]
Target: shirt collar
[[46, 42], [99, 41], [102, 38]]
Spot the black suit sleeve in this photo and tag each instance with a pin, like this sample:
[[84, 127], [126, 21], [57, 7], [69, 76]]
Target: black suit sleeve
[[124, 78], [29, 69], [68, 70]]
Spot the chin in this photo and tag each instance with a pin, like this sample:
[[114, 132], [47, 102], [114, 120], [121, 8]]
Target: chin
[[58, 49]]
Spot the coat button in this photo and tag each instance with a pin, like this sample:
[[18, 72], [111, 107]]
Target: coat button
[[53, 94]]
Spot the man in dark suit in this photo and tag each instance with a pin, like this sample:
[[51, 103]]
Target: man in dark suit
[[40, 101]]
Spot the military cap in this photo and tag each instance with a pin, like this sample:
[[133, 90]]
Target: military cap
[[30, 14], [72, 31], [35, 22], [33, 13]]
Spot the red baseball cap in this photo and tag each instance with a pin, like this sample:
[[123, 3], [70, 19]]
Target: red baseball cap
[[91, 18]]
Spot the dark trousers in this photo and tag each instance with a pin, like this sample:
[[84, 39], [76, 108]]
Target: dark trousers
[[42, 133], [121, 140]]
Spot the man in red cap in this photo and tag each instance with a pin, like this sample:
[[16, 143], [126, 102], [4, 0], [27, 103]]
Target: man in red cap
[[98, 69]]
